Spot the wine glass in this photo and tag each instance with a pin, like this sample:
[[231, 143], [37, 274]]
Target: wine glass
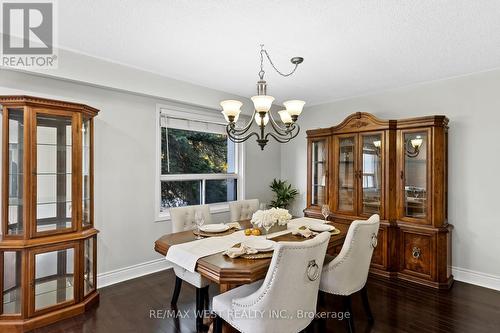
[[199, 219], [262, 206], [325, 211], [268, 223]]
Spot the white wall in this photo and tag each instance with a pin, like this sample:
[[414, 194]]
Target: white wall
[[125, 167], [82, 68], [473, 105]]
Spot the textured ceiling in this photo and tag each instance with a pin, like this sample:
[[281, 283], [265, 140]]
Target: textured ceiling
[[351, 47]]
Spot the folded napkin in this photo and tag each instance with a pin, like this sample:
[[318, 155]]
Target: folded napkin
[[239, 250], [304, 232], [234, 225]]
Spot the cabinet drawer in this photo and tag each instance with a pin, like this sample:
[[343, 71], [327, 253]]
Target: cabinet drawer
[[418, 253]]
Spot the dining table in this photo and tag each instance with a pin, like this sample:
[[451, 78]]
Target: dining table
[[229, 273]]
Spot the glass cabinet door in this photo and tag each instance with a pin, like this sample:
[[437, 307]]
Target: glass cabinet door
[[15, 218], [11, 263], [54, 148], [414, 174], [86, 172], [371, 173], [89, 273], [346, 178], [319, 169], [53, 278]]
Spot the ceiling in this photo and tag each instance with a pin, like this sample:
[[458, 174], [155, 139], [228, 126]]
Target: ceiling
[[351, 47]]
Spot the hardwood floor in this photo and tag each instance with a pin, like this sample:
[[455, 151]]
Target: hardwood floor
[[125, 308]]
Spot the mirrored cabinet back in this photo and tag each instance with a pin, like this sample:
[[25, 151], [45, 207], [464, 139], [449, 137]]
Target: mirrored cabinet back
[[48, 241], [394, 168]]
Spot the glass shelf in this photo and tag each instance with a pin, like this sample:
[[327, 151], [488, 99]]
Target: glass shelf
[[53, 173], [48, 292], [52, 145], [52, 202]]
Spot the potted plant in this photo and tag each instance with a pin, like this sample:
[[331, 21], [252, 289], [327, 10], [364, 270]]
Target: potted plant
[[284, 193]]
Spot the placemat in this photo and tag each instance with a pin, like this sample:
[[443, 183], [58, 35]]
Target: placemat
[[213, 234]]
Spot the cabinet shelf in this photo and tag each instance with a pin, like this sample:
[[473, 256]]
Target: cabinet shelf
[[52, 145]]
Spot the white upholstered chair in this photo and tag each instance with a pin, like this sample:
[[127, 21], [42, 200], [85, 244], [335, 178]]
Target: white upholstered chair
[[290, 286], [347, 273], [243, 209], [182, 220]]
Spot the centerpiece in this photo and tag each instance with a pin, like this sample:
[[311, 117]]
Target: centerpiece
[[271, 220]]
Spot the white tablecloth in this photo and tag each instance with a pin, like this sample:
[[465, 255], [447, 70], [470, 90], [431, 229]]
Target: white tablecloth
[[187, 254]]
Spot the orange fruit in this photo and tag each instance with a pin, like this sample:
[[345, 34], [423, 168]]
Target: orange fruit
[[256, 232], [248, 232]]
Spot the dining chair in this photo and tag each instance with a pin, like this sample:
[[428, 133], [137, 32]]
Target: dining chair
[[347, 273], [243, 209], [280, 302], [182, 220]]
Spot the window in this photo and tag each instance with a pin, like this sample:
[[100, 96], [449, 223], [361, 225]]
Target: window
[[197, 163]]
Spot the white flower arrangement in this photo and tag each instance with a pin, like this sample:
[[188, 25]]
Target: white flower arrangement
[[270, 217]]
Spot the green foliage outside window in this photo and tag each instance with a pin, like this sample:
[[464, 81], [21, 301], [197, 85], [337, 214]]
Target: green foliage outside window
[[192, 152]]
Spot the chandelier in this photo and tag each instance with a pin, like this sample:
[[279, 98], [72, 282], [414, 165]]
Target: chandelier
[[262, 115]]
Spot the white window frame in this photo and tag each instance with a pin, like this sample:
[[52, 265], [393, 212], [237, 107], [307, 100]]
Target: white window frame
[[195, 114]]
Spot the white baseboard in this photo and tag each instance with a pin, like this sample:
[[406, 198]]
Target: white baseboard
[[132, 272], [157, 265], [477, 278]]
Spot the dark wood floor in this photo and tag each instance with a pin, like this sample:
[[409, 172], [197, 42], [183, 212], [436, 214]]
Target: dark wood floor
[[125, 308]]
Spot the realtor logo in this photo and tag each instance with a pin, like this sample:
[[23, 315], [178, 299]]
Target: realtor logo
[[28, 32]]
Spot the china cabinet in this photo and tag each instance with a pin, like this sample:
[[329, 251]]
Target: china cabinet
[[394, 168], [48, 239]]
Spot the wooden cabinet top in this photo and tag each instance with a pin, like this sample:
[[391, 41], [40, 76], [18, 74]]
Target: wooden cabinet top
[[366, 122], [23, 100]]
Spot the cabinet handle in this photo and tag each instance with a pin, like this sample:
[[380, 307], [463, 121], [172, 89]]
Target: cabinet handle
[[402, 175], [416, 252]]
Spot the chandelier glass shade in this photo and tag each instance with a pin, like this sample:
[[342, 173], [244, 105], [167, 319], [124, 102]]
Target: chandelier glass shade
[[282, 132]]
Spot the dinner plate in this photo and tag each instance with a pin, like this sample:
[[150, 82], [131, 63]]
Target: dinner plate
[[321, 227], [259, 244], [218, 227]]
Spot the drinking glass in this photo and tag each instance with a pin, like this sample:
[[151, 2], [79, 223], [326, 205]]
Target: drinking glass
[[325, 210], [262, 206], [199, 219], [267, 225]]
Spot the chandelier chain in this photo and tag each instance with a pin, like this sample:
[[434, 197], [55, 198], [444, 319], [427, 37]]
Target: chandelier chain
[[262, 72]]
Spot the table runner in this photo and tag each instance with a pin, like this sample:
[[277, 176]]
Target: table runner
[[187, 254]]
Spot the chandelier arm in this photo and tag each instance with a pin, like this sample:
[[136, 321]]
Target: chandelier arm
[[284, 138], [272, 64], [278, 138], [280, 130], [241, 131], [297, 127], [236, 139]]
